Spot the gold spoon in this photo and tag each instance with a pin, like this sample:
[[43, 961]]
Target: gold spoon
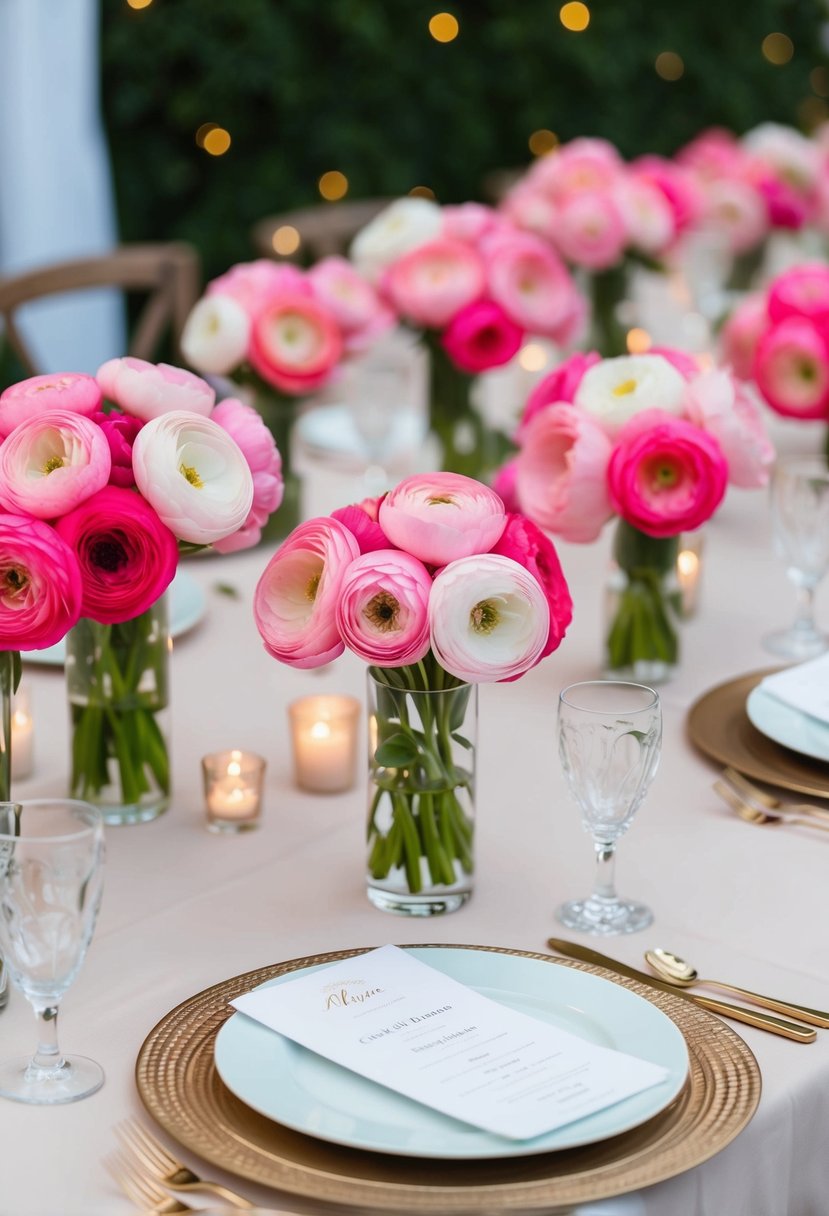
[[676, 971]]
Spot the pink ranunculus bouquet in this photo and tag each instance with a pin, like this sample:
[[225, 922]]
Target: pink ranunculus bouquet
[[438, 588], [654, 441]]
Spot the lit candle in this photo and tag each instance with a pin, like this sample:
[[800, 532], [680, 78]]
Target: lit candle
[[688, 573], [233, 790], [22, 735], [324, 734]]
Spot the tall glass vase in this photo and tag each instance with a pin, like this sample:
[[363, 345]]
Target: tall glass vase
[[278, 411], [421, 795], [9, 676], [469, 445], [644, 607], [117, 679]]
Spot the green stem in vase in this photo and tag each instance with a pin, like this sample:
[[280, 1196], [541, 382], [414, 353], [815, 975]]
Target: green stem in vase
[[642, 628], [10, 668], [469, 445], [607, 290]]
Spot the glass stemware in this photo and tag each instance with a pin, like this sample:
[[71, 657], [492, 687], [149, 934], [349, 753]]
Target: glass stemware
[[51, 878], [609, 738], [800, 529]]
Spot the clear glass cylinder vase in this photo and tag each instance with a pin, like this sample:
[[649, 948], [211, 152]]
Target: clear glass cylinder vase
[[117, 679], [643, 608], [421, 786]]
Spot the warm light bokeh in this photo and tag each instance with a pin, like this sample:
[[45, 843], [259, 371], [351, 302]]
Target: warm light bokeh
[[333, 185], [574, 16], [444, 27], [286, 240]]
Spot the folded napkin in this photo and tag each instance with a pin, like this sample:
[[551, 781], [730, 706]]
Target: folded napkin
[[804, 687]]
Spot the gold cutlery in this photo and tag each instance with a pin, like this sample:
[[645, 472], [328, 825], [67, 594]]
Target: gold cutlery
[[147, 1195], [754, 794], [762, 1021], [674, 970], [753, 814], [149, 1156]]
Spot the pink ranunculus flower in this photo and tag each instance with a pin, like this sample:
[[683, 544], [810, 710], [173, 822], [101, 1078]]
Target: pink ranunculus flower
[[40, 584], [352, 301], [120, 431], [802, 291], [127, 557], [647, 215], [481, 336], [590, 229], [469, 222], [791, 369], [787, 206], [530, 282], [295, 344], [581, 164], [528, 208], [559, 385], [439, 517], [504, 485], [361, 519], [489, 618], [147, 390], [526, 544], [679, 186], [728, 409], [433, 282], [255, 284], [72, 391], [735, 209], [51, 463], [295, 603], [244, 424], [382, 611], [562, 473], [665, 475], [741, 333]]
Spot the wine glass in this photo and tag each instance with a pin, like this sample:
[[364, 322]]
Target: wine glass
[[609, 739], [51, 877], [800, 528]]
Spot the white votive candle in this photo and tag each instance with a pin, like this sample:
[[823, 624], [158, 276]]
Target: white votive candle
[[233, 790], [23, 735], [324, 737]]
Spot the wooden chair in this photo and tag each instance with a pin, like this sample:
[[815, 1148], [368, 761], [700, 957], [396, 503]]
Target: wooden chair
[[168, 274], [325, 229]]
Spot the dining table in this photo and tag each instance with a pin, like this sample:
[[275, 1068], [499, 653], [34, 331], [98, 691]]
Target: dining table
[[185, 908]]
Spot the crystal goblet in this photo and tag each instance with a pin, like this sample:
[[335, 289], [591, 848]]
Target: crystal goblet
[[51, 878], [609, 738], [800, 530]]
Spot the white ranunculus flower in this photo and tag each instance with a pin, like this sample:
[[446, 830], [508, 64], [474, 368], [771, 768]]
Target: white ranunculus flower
[[616, 389], [194, 475], [792, 154], [489, 618], [215, 336], [405, 224]]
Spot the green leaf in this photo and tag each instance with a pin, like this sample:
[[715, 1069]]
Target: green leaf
[[398, 751]]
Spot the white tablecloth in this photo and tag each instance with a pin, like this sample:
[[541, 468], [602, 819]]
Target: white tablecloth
[[184, 909]]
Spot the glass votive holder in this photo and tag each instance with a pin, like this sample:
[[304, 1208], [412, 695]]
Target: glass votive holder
[[324, 733], [233, 790]]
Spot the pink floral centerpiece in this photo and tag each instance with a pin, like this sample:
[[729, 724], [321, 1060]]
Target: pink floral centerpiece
[[438, 588], [103, 482]]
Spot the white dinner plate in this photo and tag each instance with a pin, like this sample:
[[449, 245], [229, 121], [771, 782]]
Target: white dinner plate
[[299, 1089], [784, 724], [188, 604]]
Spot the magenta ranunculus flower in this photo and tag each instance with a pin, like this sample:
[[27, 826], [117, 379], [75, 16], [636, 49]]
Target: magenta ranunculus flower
[[481, 336], [295, 603], [729, 410], [120, 431], [791, 369], [40, 584], [439, 517], [382, 611], [72, 391], [558, 385], [802, 291], [148, 390], [361, 519], [244, 424], [526, 544], [561, 473], [489, 618], [295, 343], [51, 463], [504, 483], [431, 283], [666, 476], [127, 557]]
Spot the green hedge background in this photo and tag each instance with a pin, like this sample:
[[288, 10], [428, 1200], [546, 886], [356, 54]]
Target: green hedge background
[[306, 86]]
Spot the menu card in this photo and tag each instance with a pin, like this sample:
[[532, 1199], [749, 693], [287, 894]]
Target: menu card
[[804, 687], [405, 1025]]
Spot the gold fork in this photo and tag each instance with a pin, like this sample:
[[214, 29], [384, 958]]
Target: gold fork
[[143, 1192], [753, 814], [150, 1156], [754, 794]]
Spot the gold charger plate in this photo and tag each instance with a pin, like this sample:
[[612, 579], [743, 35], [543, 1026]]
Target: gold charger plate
[[180, 1087], [718, 726]]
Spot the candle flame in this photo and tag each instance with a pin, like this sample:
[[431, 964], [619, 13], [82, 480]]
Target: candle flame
[[320, 730], [234, 769], [687, 562]]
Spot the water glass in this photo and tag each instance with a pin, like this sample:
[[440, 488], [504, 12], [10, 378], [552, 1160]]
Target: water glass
[[800, 528]]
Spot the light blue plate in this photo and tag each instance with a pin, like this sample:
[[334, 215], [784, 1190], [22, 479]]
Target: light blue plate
[[784, 724], [188, 604], [297, 1088]]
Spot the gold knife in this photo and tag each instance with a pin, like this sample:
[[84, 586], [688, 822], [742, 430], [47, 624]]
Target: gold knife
[[762, 1021]]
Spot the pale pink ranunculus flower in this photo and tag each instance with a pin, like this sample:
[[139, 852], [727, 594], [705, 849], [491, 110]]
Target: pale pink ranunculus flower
[[216, 335], [489, 618], [439, 517], [530, 208], [590, 229], [677, 183], [737, 210], [729, 410], [530, 282], [802, 291], [194, 475], [352, 301], [148, 390], [791, 369], [295, 344], [558, 385], [561, 475], [51, 463], [646, 213], [253, 285], [470, 222], [295, 602], [481, 336], [40, 584], [72, 391], [431, 283], [666, 475], [581, 164], [715, 153], [244, 424], [741, 333], [382, 610]]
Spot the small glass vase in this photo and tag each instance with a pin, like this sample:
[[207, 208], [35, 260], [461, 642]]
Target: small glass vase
[[279, 411], [643, 607], [421, 795], [117, 679], [9, 676]]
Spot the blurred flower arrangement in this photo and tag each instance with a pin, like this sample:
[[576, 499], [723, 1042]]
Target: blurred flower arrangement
[[437, 588], [103, 481]]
